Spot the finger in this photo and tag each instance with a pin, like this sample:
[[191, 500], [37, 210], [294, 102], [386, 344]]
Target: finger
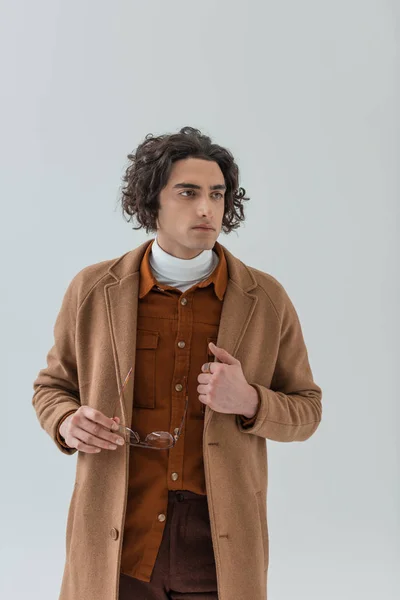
[[90, 440], [98, 432], [204, 378], [203, 389], [223, 355], [81, 446], [95, 415]]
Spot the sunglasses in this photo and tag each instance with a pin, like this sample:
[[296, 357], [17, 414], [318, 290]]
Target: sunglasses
[[156, 440]]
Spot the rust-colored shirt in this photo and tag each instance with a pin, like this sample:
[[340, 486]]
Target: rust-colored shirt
[[173, 332]]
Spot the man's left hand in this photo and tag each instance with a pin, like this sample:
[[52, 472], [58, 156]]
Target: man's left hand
[[224, 387]]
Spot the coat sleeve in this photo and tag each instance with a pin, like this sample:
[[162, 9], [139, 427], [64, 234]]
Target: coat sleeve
[[56, 389], [290, 410]]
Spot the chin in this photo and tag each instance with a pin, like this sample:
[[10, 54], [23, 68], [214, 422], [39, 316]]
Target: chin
[[209, 243]]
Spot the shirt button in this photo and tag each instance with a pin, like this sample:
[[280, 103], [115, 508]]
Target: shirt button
[[181, 344], [114, 533], [161, 517], [184, 301], [174, 476], [178, 387]]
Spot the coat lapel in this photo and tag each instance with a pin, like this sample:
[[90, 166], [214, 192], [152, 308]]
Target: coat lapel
[[122, 304], [237, 309]]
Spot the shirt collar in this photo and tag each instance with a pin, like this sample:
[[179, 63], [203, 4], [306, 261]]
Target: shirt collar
[[219, 277]]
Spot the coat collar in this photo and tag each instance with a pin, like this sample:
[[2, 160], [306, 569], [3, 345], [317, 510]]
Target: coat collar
[[130, 262]]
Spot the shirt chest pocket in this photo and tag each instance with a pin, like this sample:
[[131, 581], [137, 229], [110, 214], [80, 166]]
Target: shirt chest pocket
[[144, 394]]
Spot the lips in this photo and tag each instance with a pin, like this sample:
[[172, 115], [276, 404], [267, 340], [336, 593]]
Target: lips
[[205, 228]]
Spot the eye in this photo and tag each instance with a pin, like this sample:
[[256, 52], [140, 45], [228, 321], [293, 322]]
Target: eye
[[193, 192]]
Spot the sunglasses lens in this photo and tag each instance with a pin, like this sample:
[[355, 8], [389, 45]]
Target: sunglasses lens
[[159, 439]]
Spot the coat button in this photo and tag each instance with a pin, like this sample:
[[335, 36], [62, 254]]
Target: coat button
[[114, 533], [174, 476], [179, 387], [161, 517], [184, 301], [181, 344]]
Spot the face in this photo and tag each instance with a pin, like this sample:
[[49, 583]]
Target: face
[[193, 196]]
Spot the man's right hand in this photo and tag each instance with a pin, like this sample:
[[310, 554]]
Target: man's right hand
[[88, 430]]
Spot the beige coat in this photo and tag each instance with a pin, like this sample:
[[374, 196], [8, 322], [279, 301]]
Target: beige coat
[[95, 336]]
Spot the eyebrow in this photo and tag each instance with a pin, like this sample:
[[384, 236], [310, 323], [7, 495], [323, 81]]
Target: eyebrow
[[193, 186]]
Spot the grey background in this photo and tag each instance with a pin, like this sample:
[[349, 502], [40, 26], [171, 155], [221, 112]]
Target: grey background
[[304, 95]]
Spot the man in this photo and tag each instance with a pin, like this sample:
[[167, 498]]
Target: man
[[170, 368]]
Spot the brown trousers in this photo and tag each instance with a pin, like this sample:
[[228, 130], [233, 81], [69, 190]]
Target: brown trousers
[[185, 564]]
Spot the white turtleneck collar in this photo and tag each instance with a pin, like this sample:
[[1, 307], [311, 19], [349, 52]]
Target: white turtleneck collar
[[178, 272]]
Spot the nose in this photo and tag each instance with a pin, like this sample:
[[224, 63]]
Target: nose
[[204, 207]]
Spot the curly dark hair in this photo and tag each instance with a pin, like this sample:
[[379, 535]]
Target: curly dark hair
[[149, 171]]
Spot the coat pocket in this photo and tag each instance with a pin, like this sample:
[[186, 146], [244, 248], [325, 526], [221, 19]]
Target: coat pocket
[[262, 513], [144, 394]]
